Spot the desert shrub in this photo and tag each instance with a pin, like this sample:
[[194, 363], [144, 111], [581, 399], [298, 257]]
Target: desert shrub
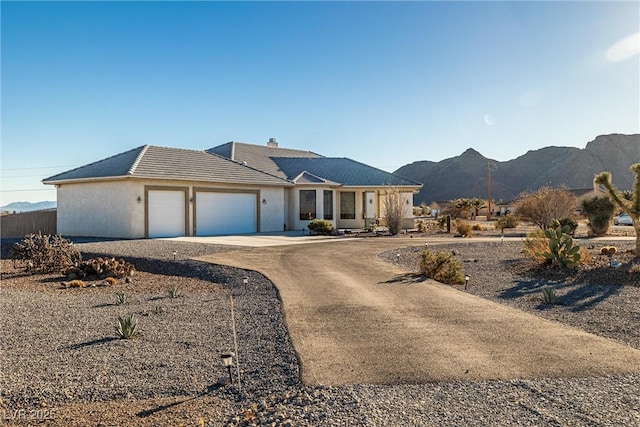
[[463, 228], [477, 227], [320, 226], [127, 326], [535, 244], [394, 210], [507, 221], [585, 256], [45, 253], [77, 284], [549, 296], [441, 266], [111, 280], [545, 205], [561, 251], [100, 267], [421, 226], [635, 268], [173, 291], [599, 210]]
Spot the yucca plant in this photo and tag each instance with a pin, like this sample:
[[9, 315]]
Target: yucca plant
[[173, 291], [549, 295], [127, 326], [121, 298]]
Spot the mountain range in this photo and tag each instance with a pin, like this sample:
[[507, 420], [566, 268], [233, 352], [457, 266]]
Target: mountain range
[[27, 206], [467, 174]]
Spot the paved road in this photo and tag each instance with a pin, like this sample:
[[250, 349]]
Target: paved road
[[356, 319]]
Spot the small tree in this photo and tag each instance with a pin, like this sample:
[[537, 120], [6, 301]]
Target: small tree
[[394, 211], [477, 204], [461, 208], [630, 207], [545, 205], [599, 210]]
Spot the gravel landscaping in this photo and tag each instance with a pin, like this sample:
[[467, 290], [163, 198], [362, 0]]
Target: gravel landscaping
[[62, 363]]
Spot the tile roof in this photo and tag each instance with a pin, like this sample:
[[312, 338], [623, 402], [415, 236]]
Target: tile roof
[[291, 164], [150, 161], [259, 156], [341, 170], [308, 178]]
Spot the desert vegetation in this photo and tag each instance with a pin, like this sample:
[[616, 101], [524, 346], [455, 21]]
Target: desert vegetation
[[629, 202]]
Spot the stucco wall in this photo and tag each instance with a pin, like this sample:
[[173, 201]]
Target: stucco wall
[[272, 213], [105, 210], [111, 208]]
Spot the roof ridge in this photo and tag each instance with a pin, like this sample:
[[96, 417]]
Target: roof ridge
[[135, 164], [305, 172], [265, 147], [247, 166]]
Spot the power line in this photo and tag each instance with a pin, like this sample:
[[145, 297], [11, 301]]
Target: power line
[[40, 167], [34, 189], [20, 176]]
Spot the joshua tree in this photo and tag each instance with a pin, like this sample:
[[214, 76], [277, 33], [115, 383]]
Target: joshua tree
[[630, 207], [599, 210]]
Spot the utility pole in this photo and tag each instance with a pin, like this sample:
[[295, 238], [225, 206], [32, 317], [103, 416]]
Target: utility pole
[[489, 190]]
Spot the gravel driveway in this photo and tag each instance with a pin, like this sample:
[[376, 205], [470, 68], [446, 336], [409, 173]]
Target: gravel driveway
[[355, 319], [272, 396]]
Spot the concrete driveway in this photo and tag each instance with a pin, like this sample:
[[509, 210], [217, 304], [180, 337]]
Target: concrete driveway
[[355, 319]]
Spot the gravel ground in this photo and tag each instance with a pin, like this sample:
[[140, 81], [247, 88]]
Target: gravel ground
[[61, 363], [595, 298]]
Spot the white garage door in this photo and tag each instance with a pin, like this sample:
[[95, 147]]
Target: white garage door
[[225, 213], [166, 213]]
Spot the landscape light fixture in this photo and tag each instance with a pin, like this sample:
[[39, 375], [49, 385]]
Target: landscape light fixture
[[245, 281], [227, 360], [466, 281], [174, 255]]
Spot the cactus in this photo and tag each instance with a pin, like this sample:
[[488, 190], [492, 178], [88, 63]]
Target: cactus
[[562, 252], [101, 267], [630, 206]]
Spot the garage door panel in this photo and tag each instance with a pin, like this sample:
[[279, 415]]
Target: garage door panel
[[166, 213], [225, 213]]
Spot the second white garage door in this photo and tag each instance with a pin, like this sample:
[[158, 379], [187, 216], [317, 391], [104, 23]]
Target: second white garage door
[[226, 213]]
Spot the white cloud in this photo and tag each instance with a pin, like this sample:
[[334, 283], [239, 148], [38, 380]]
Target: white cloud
[[624, 48]]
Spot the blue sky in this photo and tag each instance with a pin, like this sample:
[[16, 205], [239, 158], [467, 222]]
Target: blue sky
[[384, 83]]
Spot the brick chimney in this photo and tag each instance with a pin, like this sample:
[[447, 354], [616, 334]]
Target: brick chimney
[[272, 143]]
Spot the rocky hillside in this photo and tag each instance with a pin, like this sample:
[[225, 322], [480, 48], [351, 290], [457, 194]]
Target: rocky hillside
[[466, 174]]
